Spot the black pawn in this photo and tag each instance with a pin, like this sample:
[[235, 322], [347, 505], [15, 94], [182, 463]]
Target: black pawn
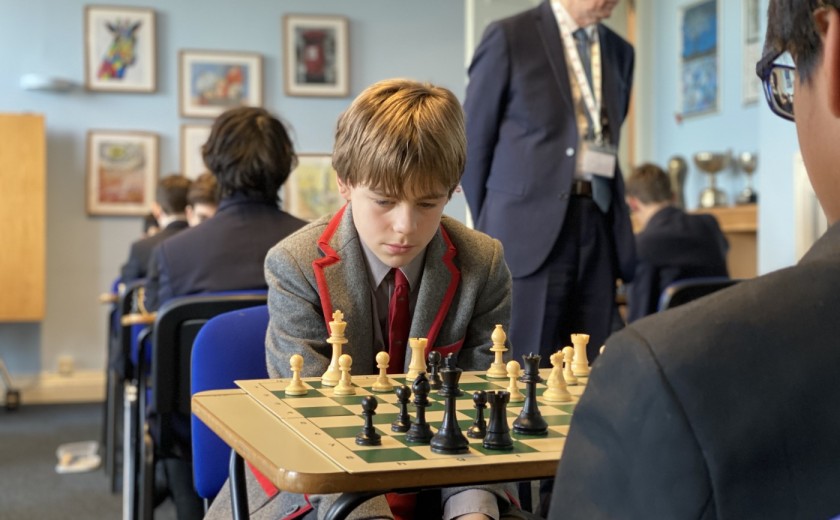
[[403, 422], [368, 436], [420, 431], [449, 439], [530, 420], [451, 389], [434, 369], [498, 431], [479, 427]]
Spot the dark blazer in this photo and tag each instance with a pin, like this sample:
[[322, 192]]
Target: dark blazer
[[673, 246], [137, 265], [725, 407], [522, 137], [224, 253]]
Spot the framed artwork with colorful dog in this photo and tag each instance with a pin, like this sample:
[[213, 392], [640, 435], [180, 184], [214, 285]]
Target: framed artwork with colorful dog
[[120, 49]]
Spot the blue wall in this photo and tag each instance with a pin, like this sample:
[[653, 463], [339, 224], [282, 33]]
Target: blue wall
[[388, 38]]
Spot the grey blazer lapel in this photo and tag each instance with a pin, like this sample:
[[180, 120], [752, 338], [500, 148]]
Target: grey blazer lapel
[[553, 46], [439, 274]]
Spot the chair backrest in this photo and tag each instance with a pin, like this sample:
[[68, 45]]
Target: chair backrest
[[689, 289], [124, 357], [231, 346]]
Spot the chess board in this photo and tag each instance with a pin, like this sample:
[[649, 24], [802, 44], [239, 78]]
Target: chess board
[[330, 423]]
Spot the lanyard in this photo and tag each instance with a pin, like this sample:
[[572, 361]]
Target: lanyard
[[592, 101]]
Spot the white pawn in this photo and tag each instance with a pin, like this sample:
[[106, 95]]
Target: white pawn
[[557, 391], [513, 373], [345, 384], [580, 365], [568, 375], [296, 386], [382, 384]]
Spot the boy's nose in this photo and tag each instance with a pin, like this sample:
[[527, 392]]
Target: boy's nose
[[405, 219]]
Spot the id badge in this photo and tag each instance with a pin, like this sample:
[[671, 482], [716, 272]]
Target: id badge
[[598, 159]]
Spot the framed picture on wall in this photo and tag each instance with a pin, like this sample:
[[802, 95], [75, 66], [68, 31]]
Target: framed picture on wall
[[193, 138], [311, 190], [211, 82], [316, 56], [122, 172], [751, 51], [699, 59], [120, 49]]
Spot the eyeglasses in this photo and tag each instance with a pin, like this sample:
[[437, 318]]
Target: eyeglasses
[[778, 81]]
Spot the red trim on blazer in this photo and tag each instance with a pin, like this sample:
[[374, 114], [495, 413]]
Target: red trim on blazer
[[265, 484], [449, 296], [330, 258], [300, 513]]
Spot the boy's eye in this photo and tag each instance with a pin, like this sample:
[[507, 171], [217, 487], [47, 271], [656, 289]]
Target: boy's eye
[[383, 202], [428, 205]]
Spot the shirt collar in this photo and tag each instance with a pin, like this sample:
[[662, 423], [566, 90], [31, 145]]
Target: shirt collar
[[560, 12], [378, 270]]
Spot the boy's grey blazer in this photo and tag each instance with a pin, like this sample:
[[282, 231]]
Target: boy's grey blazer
[[464, 293]]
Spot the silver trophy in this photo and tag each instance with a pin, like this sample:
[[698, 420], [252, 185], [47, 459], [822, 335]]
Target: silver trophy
[[677, 170], [747, 163], [711, 164]]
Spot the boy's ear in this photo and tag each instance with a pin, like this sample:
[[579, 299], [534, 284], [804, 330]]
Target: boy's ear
[[343, 188], [830, 20]]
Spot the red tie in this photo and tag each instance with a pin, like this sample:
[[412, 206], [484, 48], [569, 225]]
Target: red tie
[[398, 322]]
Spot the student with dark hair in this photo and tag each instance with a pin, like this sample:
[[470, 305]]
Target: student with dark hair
[[726, 407], [202, 199], [672, 244], [251, 155], [169, 211]]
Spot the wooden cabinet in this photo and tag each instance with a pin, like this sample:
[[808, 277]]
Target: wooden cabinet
[[22, 217], [740, 225]]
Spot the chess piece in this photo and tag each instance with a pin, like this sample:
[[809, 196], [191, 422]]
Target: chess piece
[[479, 427], [498, 431], [382, 384], [403, 421], [337, 340], [557, 391], [513, 388], [497, 367], [530, 420], [345, 384], [580, 365], [434, 367], [449, 439], [296, 386], [418, 359], [369, 436], [568, 375], [420, 431], [446, 390]]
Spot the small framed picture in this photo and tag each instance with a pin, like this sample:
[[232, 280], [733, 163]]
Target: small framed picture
[[211, 82], [700, 72], [311, 190], [193, 138], [316, 56], [122, 172], [120, 49]]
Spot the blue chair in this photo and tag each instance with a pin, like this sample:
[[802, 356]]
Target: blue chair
[[231, 346], [689, 289]]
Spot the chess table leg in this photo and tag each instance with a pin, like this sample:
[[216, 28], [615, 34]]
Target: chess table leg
[[238, 490], [347, 502]]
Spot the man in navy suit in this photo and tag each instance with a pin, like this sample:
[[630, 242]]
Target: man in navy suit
[[672, 244], [544, 107]]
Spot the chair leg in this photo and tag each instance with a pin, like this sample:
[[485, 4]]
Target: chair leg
[[129, 454], [238, 489], [146, 477]]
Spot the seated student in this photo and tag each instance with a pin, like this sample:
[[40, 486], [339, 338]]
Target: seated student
[[250, 153], [168, 208], [202, 199], [672, 245], [399, 154], [727, 407], [150, 225]]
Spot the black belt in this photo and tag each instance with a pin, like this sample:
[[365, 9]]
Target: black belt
[[582, 188]]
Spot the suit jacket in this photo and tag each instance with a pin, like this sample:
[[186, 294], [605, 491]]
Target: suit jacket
[[464, 293], [224, 253], [137, 265], [522, 137], [673, 246], [725, 407]]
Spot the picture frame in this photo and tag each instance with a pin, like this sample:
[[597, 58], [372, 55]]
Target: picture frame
[[122, 172], [316, 55], [751, 85], [699, 81], [210, 82], [193, 138], [120, 49], [311, 191]]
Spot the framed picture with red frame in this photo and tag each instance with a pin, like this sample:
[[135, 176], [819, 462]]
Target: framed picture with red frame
[[316, 56]]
